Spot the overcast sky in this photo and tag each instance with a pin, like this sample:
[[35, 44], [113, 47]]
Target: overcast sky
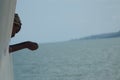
[[59, 20]]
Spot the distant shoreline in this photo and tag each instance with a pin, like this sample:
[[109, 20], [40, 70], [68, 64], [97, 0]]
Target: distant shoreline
[[101, 36]]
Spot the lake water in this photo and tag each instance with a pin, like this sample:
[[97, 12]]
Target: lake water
[[72, 60]]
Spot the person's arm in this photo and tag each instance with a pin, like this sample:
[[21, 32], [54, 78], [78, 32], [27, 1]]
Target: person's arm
[[23, 45]]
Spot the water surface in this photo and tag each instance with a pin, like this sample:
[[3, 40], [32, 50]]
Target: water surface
[[73, 60]]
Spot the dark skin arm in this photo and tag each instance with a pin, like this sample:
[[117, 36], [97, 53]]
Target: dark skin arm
[[23, 45]]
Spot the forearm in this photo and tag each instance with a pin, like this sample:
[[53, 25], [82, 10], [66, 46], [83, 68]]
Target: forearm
[[28, 44], [17, 47]]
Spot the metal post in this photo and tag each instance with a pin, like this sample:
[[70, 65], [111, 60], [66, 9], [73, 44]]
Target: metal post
[[7, 10]]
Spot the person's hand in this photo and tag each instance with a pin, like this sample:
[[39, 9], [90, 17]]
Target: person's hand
[[31, 45]]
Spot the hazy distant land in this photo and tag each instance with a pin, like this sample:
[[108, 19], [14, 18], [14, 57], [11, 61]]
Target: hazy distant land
[[102, 36]]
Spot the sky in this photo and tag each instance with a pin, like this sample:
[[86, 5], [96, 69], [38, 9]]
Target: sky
[[46, 21]]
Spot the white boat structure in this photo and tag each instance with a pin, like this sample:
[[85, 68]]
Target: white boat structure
[[7, 10]]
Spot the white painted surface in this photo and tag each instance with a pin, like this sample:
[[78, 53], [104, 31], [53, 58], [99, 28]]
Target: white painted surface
[[7, 9]]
